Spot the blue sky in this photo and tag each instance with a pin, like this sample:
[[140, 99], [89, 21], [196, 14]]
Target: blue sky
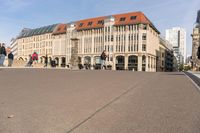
[[18, 14]]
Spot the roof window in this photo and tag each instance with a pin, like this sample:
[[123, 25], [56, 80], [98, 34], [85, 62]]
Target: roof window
[[100, 22], [81, 24], [133, 17], [89, 23], [122, 19]]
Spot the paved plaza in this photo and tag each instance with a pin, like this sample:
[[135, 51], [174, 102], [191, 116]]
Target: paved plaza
[[64, 101]]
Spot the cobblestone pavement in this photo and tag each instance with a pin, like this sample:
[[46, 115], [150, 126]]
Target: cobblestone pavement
[[64, 101]]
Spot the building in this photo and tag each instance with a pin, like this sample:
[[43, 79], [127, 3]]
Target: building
[[14, 47], [38, 40], [177, 37], [166, 61], [196, 43], [59, 44], [131, 42]]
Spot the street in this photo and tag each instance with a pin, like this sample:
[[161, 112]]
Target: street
[[64, 101]]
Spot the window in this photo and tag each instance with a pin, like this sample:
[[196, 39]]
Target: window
[[162, 63], [89, 23], [111, 38], [81, 24], [133, 17], [100, 22], [122, 19], [143, 47], [163, 55], [144, 27], [144, 37]]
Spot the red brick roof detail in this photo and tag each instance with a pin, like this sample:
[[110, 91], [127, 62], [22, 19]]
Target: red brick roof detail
[[139, 18], [60, 29]]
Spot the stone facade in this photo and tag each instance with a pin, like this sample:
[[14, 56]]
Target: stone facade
[[195, 45], [166, 61]]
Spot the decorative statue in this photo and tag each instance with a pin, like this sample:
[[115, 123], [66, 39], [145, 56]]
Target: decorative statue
[[198, 20]]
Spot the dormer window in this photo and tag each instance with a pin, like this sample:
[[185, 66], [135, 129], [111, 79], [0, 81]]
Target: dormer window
[[89, 23], [133, 17], [122, 19], [100, 22], [81, 24]]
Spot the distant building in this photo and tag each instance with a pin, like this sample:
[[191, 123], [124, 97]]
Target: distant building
[[196, 43], [14, 47], [166, 61], [37, 40], [177, 37]]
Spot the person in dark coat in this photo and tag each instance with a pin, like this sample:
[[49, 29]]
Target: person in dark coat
[[30, 62], [46, 61], [3, 54], [103, 59], [10, 59]]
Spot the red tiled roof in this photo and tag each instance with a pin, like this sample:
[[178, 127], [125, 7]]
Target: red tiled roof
[[83, 24], [60, 29], [138, 17]]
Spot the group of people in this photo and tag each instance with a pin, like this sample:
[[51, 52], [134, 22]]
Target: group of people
[[3, 55], [34, 59]]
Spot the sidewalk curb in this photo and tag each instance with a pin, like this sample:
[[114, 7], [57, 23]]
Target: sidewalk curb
[[187, 74]]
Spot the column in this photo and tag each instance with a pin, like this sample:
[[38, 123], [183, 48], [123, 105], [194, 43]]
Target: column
[[126, 39], [114, 63], [147, 63], [82, 60], [150, 63], [126, 62], [60, 62], [153, 64], [139, 63], [92, 36], [92, 62]]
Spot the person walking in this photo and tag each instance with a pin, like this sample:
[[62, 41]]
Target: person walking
[[35, 57], [103, 60], [46, 61], [3, 54], [30, 62], [10, 59]]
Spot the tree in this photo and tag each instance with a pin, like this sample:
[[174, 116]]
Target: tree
[[187, 68], [181, 67]]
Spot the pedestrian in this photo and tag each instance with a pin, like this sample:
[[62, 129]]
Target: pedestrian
[[30, 62], [35, 57], [103, 60], [3, 54], [10, 59], [46, 61]]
